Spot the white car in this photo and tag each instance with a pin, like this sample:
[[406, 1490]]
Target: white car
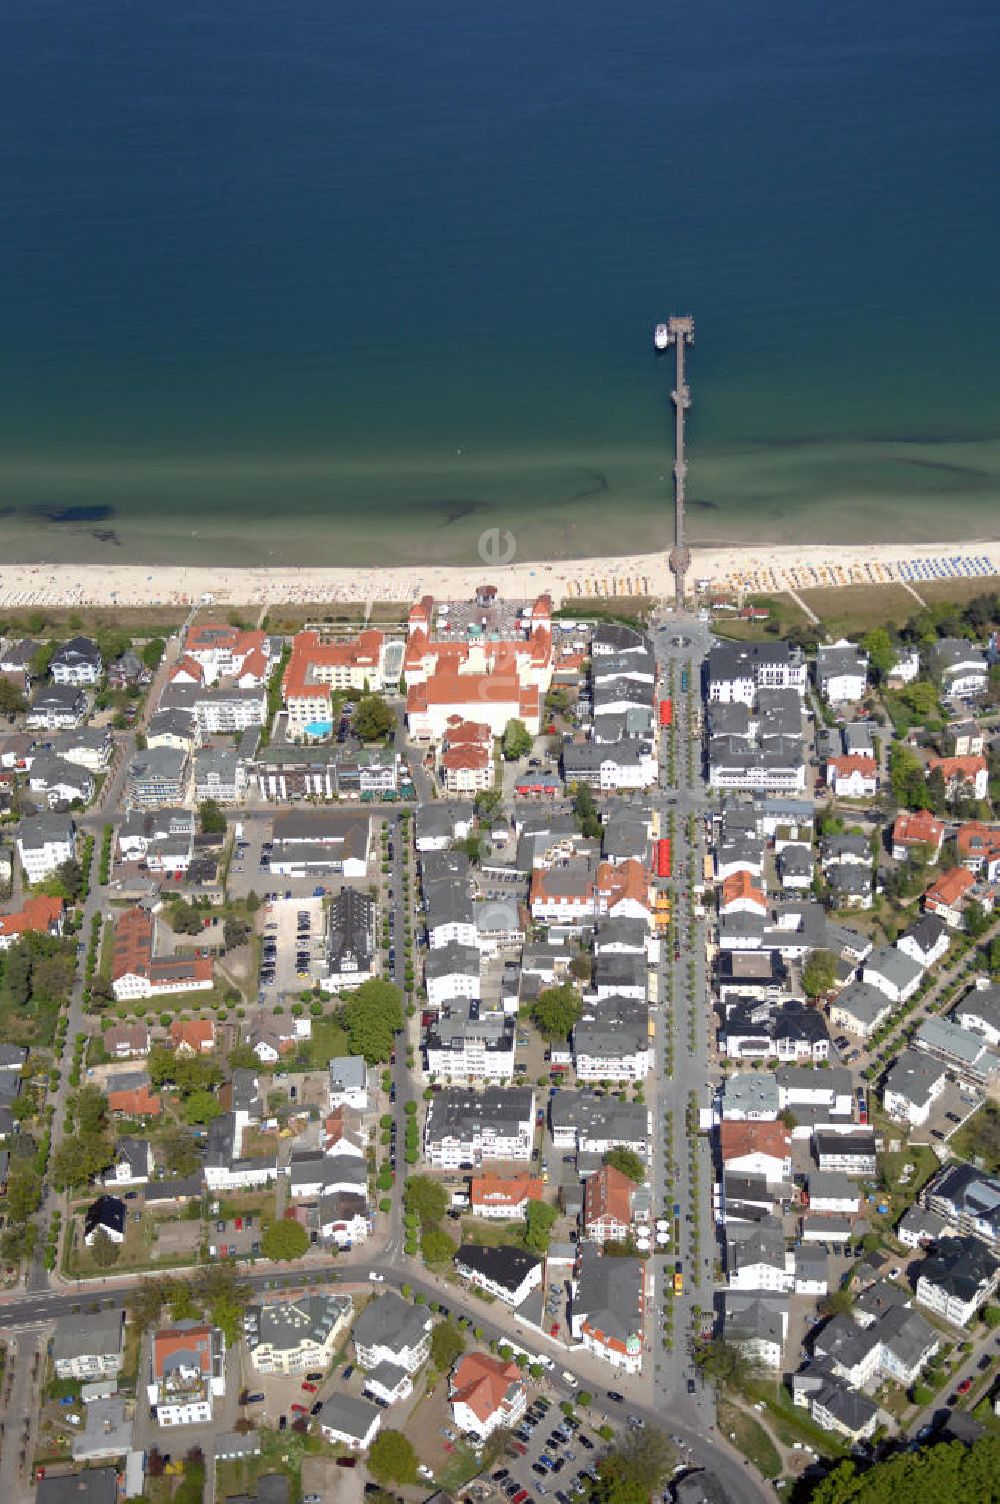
[[568, 1378], [376, 1278], [425, 1472]]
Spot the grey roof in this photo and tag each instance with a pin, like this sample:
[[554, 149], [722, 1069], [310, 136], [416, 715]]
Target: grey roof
[[749, 1244], [623, 837], [907, 1334], [913, 1075], [450, 960], [176, 722], [795, 860], [351, 929], [348, 1073], [600, 1117], [849, 1406], [831, 1183], [441, 818], [58, 697], [93, 1485], [961, 1189], [38, 830], [750, 1091], [621, 931], [858, 1141], [948, 653], [157, 763], [459, 1110], [504, 1264], [981, 1003], [390, 1322], [89, 1333], [837, 659], [609, 1294], [893, 964], [449, 903], [836, 847], [959, 1266], [878, 1300], [863, 1001], [286, 1325], [352, 1417], [751, 1316], [965, 1046], [844, 1341], [927, 932], [921, 1222]]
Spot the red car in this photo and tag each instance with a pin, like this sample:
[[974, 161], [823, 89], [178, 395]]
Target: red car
[[302, 1410], [554, 1329], [521, 1450], [309, 1388], [520, 1496], [965, 1386]]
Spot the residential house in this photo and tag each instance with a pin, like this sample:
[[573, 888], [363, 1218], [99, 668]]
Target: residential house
[[948, 895], [350, 940], [756, 1148], [294, 1336], [390, 1330], [849, 1150], [192, 1036], [136, 972], [89, 1345], [860, 1009], [56, 707], [958, 667], [756, 1257], [132, 1164], [968, 1201], [978, 848], [964, 777], [187, 1373], [926, 941], [895, 974], [919, 832], [503, 1198], [347, 1421], [852, 776], [39, 915], [613, 1205], [77, 661], [61, 782], [506, 1272], [156, 777], [349, 1082], [841, 672], [979, 1011], [608, 1306], [912, 1084], [44, 843], [959, 1277], [749, 1097], [486, 1393], [757, 1322], [466, 1128]]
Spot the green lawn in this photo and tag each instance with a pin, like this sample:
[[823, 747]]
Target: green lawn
[[328, 1042], [858, 608], [750, 1438], [461, 1467], [492, 1234], [791, 1423], [980, 1137]]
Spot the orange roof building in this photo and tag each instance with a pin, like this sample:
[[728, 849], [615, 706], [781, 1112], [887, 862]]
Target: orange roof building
[[496, 698], [757, 1148], [192, 1036], [919, 829], [503, 1198], [187, 1372], [962, 773], [486, 1393], [946, 896], [739, 894], [978, 847], [622, 889], [36, 916], [853, 773], [134, 1101], [607, 1205], [317, 668], [137, 973]]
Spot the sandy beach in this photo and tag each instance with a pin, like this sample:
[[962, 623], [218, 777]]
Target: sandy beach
[[767, 569]]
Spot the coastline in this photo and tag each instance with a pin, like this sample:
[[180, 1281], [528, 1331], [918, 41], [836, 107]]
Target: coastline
[[768, 568]]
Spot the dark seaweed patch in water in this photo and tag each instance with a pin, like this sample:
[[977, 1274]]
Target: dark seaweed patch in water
[[99, 513], [106, 535], [705, 506]]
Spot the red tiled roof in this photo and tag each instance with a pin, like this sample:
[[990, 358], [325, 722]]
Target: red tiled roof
[[309, 652], [854, 762], [741, 885], [628, 879], [473, 757], [482, 1383], [135, 1102], [193, 1341], [737, 1139], [197, 1033], [36, 915], [951, 886], [974, 839], [917, 829], [957, 769], [607, 1193], [505, 1190]]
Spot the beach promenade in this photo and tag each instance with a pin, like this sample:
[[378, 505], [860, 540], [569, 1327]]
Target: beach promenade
[[764, 570]]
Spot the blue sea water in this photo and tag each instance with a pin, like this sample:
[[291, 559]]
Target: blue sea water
[[341, 281]]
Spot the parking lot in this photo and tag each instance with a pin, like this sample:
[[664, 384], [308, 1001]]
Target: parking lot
[[549, 1455], [294, 945]]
